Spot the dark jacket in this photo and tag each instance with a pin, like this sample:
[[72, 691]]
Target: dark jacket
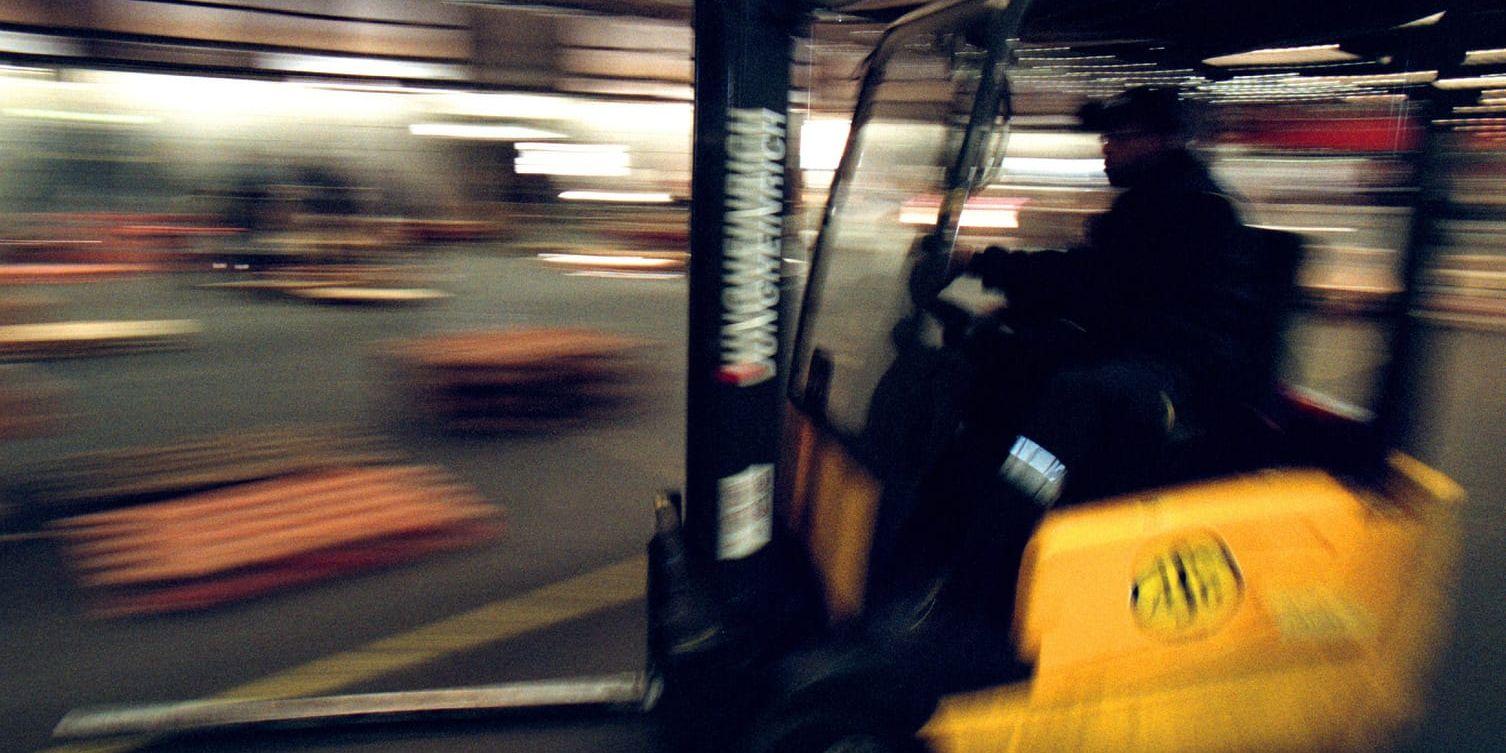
[[1164, 276]]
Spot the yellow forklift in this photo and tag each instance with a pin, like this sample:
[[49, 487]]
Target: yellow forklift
[[1282, 587]]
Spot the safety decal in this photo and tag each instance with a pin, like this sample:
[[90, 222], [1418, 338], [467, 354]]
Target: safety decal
[[747, 512], [1185, 586]]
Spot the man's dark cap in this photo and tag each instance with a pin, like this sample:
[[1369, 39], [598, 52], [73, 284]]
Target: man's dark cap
[[1143, 108]]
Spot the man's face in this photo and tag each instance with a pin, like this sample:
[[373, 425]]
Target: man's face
[[1124, 150]]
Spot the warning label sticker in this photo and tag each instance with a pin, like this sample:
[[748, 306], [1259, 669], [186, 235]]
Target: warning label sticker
[[1186, 586], [746, 500]]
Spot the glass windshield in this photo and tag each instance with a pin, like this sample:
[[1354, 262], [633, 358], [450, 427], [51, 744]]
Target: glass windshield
[[916, 114]]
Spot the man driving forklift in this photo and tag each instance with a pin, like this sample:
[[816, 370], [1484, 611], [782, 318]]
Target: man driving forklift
[[1142, 333], [1110, 358]]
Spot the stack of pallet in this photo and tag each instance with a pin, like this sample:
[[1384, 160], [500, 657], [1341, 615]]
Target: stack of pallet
[[228, 517], [208, 549], [76, 339], [526, 379]]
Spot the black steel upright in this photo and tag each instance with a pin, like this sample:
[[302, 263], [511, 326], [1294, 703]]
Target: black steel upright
[[1440, 48], [742, 80]]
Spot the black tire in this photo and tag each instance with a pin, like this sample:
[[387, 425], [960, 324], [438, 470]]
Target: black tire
[[847, 728], [836, 699]]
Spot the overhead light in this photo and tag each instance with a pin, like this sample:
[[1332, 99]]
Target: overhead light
[[1307, 228], [338, 65], [1481, 108], [71, 116], [1373, 79], [585, 160], [1053, 144], [11, 69], [1474, 82], [821, 143], [479, 131], [1317, 53], [624, 197], [1485, 57], [1471, 120], [38, 44], [1424, 21], [612, 260], [989, 217], [1052, 166]]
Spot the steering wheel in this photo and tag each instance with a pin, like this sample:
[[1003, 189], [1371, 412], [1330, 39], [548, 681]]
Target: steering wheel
[[977, 333]]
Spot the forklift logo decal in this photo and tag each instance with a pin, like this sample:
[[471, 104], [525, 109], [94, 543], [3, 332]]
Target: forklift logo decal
[[751, 246], [1185, 587]]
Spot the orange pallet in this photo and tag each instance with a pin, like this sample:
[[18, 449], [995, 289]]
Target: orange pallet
[[48, 274], [246, 540]]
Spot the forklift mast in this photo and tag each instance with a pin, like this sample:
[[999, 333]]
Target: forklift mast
[[740, 198]]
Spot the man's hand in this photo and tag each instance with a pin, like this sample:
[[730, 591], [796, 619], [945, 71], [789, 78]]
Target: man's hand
[[934, 270]]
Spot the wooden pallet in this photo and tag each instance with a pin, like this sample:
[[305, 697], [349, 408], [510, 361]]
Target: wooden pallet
[[79, 339], [519, 379], [242, 541]]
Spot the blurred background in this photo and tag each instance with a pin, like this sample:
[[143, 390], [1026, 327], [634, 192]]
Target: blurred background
[[377, 308]]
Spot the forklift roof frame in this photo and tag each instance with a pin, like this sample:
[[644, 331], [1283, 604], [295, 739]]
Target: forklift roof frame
[[1007, 23]]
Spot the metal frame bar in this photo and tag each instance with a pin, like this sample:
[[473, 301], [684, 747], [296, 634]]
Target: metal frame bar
[[733, 406], [1003, 26], [627, 692], [1395, 410]]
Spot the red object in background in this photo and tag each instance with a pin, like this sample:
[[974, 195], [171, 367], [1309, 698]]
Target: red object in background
[[1365, 135]]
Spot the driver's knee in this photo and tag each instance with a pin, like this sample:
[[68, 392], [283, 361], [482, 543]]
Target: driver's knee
[[1096, 430]]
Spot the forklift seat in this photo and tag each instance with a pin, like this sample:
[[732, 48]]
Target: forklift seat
[[1242, 434]]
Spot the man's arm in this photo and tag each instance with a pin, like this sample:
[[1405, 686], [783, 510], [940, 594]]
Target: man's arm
[[1032, 279]]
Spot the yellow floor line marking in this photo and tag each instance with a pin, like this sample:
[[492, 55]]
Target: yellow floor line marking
[[606, 587]]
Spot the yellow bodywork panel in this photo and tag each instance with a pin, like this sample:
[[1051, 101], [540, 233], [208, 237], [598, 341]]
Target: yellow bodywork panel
[[1280, 610], [832, 504]]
